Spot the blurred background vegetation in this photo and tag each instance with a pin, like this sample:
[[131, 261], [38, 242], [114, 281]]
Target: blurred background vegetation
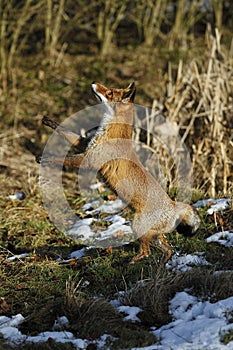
[[51, 50]]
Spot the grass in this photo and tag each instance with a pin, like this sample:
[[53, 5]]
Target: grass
[[49, 345], [42, 288], [227, 337]]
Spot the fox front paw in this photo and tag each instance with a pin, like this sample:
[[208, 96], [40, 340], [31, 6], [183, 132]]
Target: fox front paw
[[43, 160], [49, 122], [38, 159]]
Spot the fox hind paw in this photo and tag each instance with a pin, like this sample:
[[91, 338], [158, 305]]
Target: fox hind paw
[[138, 257]]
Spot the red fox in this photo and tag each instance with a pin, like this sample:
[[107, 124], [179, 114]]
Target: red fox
[[111, 153]]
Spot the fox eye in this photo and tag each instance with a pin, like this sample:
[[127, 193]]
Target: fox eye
[[109, 93]]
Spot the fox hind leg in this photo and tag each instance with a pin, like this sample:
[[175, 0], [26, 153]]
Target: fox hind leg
[[162, 244], [144, 250]]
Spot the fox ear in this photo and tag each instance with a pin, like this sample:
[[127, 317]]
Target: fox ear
[[130, 92]]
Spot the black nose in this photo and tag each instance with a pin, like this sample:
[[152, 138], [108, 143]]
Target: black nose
[[185, 230]]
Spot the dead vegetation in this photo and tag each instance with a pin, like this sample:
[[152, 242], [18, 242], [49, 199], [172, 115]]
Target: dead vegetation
[[194, 119], [201, 103], [153, 295], [89, 318], [196, 114]]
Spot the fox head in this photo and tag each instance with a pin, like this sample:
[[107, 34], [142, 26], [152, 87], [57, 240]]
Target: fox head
[[189, 220], [106, 95]]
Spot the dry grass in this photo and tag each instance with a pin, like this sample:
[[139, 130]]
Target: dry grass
[[154, 294], [194, 118], [209, 284], [201, 103], [89, 318]]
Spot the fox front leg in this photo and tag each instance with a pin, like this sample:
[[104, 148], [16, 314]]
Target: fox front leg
[[76, 161], [78, 141]]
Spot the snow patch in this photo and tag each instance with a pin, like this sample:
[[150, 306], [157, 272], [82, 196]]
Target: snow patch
[[131, 311], [82, 228], [77, 254], [186, 262], [215, 205], [224, 238], [109, 207], [17, 257], [60, 323], [196, 325], [83, 231]]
